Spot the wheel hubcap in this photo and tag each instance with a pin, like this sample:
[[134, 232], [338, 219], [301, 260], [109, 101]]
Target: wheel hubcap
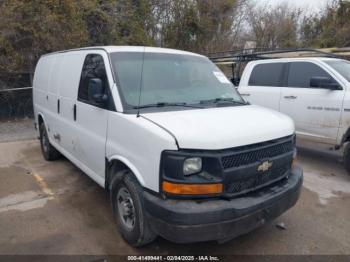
[[126, 209]]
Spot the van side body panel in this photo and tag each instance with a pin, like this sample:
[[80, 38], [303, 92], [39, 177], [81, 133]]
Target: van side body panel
[[138, 143], [60, 86], [41, 99], [67, 80]]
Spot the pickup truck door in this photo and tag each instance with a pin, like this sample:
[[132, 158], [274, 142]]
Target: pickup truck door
[[264, 85], [316, 111]]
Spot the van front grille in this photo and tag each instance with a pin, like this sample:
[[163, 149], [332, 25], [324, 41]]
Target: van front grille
[[256, 154], [258, 180]]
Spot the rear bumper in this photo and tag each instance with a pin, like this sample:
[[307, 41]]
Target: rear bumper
[[185, 221]]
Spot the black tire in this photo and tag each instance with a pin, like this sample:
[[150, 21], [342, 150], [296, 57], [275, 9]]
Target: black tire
[[346, 157], [137, 233], [49, 152]]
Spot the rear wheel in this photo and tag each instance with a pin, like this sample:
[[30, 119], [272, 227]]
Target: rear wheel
[[49, 152], [129, 212]]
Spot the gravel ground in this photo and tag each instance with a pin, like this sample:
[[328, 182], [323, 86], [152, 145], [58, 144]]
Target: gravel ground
[[53, 208], [17, 130]]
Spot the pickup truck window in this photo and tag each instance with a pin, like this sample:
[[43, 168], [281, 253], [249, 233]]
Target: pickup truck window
[[300, 74], [269, 74], [341, 66], [169, 79]]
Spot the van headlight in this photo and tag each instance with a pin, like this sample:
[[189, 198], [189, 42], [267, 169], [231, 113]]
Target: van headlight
[[192, 165], [190, 173]]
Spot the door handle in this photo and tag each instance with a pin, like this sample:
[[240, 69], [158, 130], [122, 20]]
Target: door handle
[[245, 94], [290, 97], [58, 106], [75, 112]]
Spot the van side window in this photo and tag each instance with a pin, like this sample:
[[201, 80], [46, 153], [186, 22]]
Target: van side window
[[300, 74], [93, 67], [269, 74]]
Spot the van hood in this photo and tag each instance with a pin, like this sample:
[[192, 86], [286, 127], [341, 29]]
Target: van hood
[[223, 127]]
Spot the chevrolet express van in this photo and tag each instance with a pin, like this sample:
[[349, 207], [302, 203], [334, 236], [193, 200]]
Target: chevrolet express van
[[313, 91], [181, 154]]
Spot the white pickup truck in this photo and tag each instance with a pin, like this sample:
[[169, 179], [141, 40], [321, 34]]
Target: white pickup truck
[[314, 92]]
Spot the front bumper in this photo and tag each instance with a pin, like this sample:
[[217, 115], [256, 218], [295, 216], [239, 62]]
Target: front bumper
[[185, 221]]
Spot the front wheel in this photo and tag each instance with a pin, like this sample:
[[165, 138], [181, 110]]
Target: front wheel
[[129, 212]]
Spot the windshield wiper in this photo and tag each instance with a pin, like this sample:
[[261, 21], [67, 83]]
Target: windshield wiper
[[166, 104], [220, 99]]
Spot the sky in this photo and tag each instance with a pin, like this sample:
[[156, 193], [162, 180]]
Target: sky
[[311, 5]]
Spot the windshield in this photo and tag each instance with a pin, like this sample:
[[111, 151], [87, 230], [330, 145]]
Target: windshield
[[169, 79], [341, 66]]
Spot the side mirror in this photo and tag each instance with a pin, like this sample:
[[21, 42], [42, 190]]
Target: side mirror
[[96, 92], [324, 82]]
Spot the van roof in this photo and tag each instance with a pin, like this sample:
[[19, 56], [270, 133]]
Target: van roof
[[111, 49]]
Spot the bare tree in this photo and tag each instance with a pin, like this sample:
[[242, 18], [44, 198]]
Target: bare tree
[[329, 28], [274, 27]]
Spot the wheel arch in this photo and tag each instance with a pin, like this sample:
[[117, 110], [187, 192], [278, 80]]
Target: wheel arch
[[41, 119], [345, 137], [115, 164]]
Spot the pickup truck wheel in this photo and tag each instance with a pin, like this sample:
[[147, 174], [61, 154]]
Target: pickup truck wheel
[[129, 212], [346, 157], [49, 152]]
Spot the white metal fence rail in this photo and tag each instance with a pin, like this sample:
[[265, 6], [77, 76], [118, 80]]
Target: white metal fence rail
[[16, 103], [15, 89]]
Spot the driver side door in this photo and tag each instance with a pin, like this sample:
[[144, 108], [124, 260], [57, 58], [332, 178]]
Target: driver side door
[[316, 111], [91, 119]]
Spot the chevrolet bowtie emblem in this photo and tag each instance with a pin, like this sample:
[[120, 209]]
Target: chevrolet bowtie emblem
[[265, 166]]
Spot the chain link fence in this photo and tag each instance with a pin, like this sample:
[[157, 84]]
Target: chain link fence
[[16, 96]]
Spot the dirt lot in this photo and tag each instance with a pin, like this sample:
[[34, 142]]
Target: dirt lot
[[22, 129], [53, 208]]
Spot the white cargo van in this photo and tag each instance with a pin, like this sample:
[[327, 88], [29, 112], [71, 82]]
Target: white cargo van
[[164, 131], [314, 92]]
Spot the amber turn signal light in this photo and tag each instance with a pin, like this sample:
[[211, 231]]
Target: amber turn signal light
[[191, 189]]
